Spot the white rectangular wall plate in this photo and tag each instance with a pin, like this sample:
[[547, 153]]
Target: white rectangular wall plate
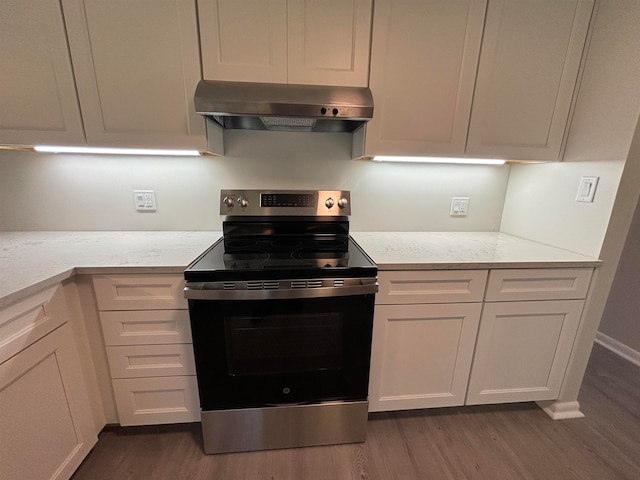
[[144, 200], [459, 206], [587, 189]]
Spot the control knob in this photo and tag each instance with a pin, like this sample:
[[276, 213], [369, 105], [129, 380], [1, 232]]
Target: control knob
[[243, 202], [228, 201], [329, 202], [343, 202]]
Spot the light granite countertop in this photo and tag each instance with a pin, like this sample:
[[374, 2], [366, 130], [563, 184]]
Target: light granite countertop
[[31, 261], [457, 250]]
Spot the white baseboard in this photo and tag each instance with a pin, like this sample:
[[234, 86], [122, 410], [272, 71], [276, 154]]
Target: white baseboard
[[618, 348], [561, 410]]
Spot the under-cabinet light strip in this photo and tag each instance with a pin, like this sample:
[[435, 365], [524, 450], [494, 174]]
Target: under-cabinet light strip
[[114, 151], [475, 161]]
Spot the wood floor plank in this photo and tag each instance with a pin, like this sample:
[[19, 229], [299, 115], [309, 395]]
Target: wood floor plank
[[493, 442]]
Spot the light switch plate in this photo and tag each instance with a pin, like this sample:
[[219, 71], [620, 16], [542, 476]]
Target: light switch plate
[[144, 200], [459, 206], [587, 189]]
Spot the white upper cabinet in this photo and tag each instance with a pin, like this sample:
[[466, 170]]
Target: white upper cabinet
[[475, 78], [286, 41], [244, 40], [38, 103], [423, 66], [329, 42], [137, 65], [527, 74]]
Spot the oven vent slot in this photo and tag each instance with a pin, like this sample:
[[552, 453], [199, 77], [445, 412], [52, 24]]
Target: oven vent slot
[[260, 285], [338, 283], [306, 283], [229, 285]]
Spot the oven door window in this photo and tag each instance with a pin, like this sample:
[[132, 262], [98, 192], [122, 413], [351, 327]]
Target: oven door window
[[278, 344]]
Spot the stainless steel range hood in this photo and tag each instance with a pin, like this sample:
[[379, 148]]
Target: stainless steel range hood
[[284, 107]]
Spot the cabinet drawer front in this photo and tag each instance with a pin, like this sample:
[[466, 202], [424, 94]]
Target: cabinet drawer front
[[538, 284], [132, 361], [431, 286], [156, 400], [146, 327], [139, 292], [26, 322]]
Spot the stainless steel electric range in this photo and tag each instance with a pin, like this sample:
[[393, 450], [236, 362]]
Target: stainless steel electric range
[[281, 315]]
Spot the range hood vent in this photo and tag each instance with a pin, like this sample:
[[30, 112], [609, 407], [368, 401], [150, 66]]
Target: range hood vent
[[284, 107]]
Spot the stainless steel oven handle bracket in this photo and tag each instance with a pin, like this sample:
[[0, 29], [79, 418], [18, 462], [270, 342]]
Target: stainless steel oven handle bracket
[[248, 290]]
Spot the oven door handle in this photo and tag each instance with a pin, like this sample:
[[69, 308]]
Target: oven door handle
[[294, 289]]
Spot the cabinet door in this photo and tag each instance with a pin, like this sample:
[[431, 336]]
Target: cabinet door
[[47, 428], [244, 40], [527, 74], [328, 42], [137, 65], [38, 101], [423, 65], [522, 350], [421, 355]]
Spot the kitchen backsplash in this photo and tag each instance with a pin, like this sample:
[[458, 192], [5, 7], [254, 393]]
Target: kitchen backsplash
[[82, 192]]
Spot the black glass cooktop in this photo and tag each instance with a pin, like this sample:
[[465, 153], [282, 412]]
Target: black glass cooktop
[[281, 256]]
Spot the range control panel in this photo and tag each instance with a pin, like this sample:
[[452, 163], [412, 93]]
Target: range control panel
[[285, 202]]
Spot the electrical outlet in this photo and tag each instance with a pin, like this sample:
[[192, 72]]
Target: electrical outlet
[[145, 200], [459, 206]]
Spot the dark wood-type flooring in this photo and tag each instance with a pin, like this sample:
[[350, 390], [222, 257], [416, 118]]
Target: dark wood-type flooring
[[489, 442]]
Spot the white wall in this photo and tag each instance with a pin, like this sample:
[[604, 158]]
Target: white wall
[[540, 202], [620, 319], [79, 192]]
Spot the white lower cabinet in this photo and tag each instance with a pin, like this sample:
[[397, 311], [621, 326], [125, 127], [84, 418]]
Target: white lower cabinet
[[424, 332], [421, 355], [436, 344], [145, 325], [46, 425]]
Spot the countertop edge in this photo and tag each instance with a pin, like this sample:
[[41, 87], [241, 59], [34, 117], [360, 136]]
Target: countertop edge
[[34, 288], [487, 265]]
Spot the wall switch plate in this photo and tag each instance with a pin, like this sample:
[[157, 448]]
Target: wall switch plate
[[145, 200], [459, 206], [587, 189]]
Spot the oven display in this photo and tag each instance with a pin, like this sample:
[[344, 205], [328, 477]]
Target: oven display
[[287, 200]]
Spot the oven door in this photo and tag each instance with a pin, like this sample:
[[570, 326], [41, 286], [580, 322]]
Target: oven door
[[252, 353]]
